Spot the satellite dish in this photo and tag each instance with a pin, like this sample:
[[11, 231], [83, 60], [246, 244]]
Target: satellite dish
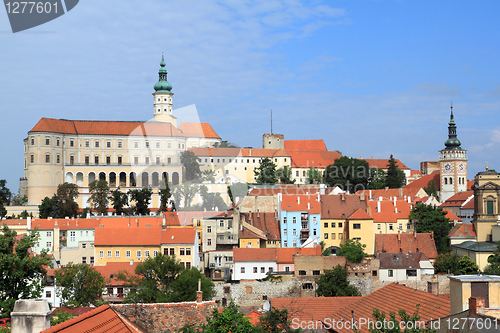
[[267, 306]]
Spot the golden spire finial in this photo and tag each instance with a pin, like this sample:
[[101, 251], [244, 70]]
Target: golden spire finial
[[486, 166]]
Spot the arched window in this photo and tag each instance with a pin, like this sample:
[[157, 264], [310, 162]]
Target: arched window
[[445, 181]]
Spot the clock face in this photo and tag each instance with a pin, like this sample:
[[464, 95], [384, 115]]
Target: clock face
[[461, 167], [447, 167]]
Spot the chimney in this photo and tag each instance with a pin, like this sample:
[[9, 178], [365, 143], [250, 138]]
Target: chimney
[[77, 222], [199, 293], [433, 287], [378, 207], [400, 191], [370, 193], [395, 210], [476, 305], [164, 220], [55, 222], [386, 188], [28, 222], [394, 199], [308, 205], [362, 196], [298, 200], [258, 213], [30, 316], [409, 199]]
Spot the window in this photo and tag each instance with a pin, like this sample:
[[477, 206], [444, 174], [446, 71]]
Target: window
[[84, 245], [188, 265], [379, 226], [400, 226], [146, 253], [97, 144], [72, 160], [314, 220], [92, 260], [136, 144], [390, 273], [391, 227], [84, 260], [209, 229], [188, 251], [333, 224], [270, 269], [169, 144], [209, 242], [294, 219], [255, 269], [284, 220], [294, 244], [172, 251], [48, 294], [71, 143], [136, 159], [302, 272], [147, 160], [489, 207], [333, 235], [139, 254], [101, 254], [108, 144], [221, 224], [242, 269], [47, 158], [182, 251], [32, 141], [229, 259], [47, 141], [49, 245], [285, 243], [314, 232], [294, 232], [325, 225], [307, 286], [120, 145], [109, 254], [147, 144], [341, 236], [108, 159], [127, 254], [411, 272], [155, 253], [316, 272], [49, 233], [72, 235], [32, 158], [119, 160], [340, 224], [325, 236], [96, 159], [285, 232], [374, 273], [87, 160]]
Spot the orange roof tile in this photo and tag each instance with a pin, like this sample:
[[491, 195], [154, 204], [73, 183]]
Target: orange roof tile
[[341, 206], [127, 128], [251, 254], [310, 145], [388, 212], [457, 199], [101, 319], [422, 181], [178, 236], [286, 254], [131, 236], [360, 215], [392, 298], [469, 184], [111, 269], [239, 152], [462, 230], [314, 309], [317, 159], [415, 173], [254, 317], [301, 203], [391, 192], [65, 224], [469, 205], [381, 163], [451, 216], [418, 242], [198, 130]]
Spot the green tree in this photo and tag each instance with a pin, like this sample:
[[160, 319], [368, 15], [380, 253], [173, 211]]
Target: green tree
[[98, 200], [313, 176], [284, 175], [353, 250], [21, 273], [5, 193], [119, 200], [324, 252], [19, 201], [142, 199], [395, 177], [59, 316], [185, 285], [237, 191], [333, 282], [66, 200], [392, 325], [225, 144], [377, 180], [431, 189], [229, 320], [211, 201], [208, 176], [266, 172], [79, 285], [3, 211], [493, 262], [349, 174], [45, 208], [427, 218], [452, 264], [276, 321], [191, 166], [165, 195]]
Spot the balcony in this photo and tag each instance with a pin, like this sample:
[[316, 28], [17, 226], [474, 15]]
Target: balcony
[[304, 233]]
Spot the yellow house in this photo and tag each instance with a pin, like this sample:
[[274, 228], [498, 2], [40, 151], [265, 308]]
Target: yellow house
[[359, 227], [251, 237], [477, 251], [181, 243]]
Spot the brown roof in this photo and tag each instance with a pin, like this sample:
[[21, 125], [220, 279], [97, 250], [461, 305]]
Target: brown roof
[[266, 222], [381, 163], [286, 254], [101, 319], [392, 298], [424, 180], [198, 130], [307, 309], [401, 260], [465, 230], [341, 206], [310, 145], [92, 127], [132, 236], [75, 311], [246, 233], [458, 199], [250, 254], [405, 243]]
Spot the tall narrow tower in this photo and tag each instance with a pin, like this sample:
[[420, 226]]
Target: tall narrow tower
[[163, 98], [453, 163]]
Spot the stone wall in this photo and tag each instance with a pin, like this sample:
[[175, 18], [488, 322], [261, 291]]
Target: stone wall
[[165, 317], [442, 279]]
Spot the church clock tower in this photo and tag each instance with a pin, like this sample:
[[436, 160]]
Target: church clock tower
[[453, 164], [163, 98]]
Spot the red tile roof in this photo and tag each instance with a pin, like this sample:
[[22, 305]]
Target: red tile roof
[[178, 236], [469, 205], [457, 199], [254, 317], [391, 192], [465, 230], [381, 163], [246, 233], [101, 319], [392, 298], [307, 309], [469, 184], [250, 254], [110, 271], [301, 203], [127, 128], [360, 215], [64, 224], [388, 212], [239, 152], [266, 222], [451, 216], [424, 180], [415, 173], [317, 159], [341, 206], [75, 311], [131, 236], [310, 145], [198, 130], [286, 254], [389, 243]]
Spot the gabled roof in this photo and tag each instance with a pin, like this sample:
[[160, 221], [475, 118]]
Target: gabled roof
[[462, 230], [65, 224], [309, 145], [458, 199], [424, 180], [381, 163], [246, 233], [111, 269], [469, 204], [102, 319], [405, 243], [254, 317], [93, 127], [307, 309], [178, 236], [389, 213], [451, 216], [286, 254], [477, 246], [401, 260], [341, 206], [360, 215], [392, 192], [250, 254], [301, 203], [317, 159], [392, 298], [131, 236], [198, 130], [266, 222]]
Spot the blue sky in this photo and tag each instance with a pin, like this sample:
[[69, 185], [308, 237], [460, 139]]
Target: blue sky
[[371, 78]]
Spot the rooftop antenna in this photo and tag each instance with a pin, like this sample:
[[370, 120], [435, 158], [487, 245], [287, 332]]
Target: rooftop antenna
[[271, 121], [451, 106]]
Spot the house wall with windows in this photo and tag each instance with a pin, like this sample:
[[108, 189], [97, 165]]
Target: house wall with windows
[[83, 254], [251, 264], [299, 219], [183, 244], [332, 231]]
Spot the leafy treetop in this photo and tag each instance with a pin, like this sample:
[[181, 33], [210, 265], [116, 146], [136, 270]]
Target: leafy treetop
[[428, 218], [333, 282]]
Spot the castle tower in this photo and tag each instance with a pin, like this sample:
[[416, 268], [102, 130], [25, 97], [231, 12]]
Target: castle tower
[[453, 164], [273, 141], [163, 109]]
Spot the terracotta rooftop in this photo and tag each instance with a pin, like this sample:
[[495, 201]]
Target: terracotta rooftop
[[462, 230], [381, 163], [360, 215], [424, 180], [239, 152], [246, 233], [317, 159], [451, 216], [92, 127], [65, 224], [469, 204], [391, 192], [286, 254], [309, 145], [389, 213], [458, 199], [198, 130], [131, 236], [301, 203], [405, 243], [392, 298], [101, 319], [250, 254], [178, 236], [254, 317], [401, 260], [266, 222], [341, 206], [110, 271]]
